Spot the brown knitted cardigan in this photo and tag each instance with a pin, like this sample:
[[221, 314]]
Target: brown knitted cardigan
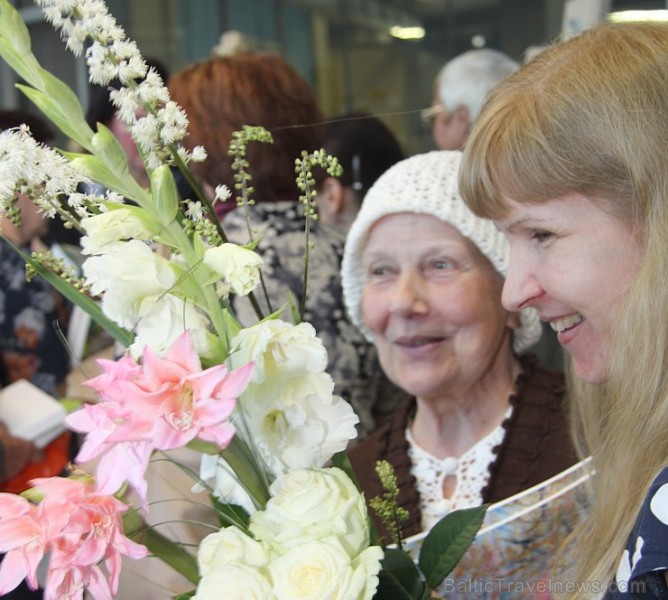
[[536, 445]]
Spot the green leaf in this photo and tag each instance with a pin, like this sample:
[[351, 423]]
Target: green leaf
[[15, 44], [185, 596], [203, 446], [109, 166], [165, 195], [399, 578], [61, 105], [231, 514], [171, 553], [447, 542]]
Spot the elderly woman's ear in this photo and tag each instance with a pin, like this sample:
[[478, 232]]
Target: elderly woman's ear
[[331, 199]]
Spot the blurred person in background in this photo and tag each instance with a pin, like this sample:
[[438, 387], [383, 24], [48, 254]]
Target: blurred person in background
[[460, 89]]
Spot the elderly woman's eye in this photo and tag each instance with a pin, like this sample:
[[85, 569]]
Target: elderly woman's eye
[[443, 264], [540, 236], [377, 270]]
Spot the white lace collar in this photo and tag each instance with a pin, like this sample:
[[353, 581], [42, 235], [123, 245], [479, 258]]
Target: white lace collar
[[471, 470]]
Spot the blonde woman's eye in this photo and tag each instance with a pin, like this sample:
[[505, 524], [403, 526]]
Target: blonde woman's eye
[[443, 265]]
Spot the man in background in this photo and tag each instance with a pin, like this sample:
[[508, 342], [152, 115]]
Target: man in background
[[460, 89]]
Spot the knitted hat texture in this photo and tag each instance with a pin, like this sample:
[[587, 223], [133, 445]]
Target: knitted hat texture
[[426, 184]]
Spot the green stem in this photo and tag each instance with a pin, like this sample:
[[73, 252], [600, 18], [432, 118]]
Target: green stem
[[240, 458], [169, 552]]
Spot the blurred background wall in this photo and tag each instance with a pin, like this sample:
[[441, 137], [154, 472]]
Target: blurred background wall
[[345, 48]]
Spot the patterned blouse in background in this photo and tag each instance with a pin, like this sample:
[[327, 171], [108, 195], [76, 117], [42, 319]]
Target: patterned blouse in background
[[29, 344], [353, 362]]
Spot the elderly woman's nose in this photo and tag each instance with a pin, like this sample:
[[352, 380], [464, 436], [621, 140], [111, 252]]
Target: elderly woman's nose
[[408, 295]]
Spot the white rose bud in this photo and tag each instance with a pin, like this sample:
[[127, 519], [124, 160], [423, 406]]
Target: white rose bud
[[229, 546], [238, 266]]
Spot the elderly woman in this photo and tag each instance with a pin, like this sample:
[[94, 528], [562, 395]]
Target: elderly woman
[[422, 278]]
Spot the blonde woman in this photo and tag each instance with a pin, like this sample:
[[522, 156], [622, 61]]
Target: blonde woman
[[569, 158]]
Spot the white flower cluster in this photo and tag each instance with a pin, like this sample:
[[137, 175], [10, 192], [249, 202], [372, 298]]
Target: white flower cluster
[[311, 543], [289, 409], [30, 168], [143, 104]]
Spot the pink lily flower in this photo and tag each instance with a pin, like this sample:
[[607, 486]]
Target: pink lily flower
[[162, 404], [78, 527], [190, 402], [21, 540]]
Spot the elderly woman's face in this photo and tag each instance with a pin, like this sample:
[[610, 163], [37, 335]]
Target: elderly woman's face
[[433, 303]]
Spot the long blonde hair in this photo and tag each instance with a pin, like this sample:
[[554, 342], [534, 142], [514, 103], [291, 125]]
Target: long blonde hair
[[591, 116]]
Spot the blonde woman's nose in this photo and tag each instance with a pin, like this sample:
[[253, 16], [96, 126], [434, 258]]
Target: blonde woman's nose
[[521, 287]]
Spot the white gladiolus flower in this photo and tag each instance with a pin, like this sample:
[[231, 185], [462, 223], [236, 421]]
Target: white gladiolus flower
[[112, 226], [238, 266], [130, 277], [279, 347], [167, 318], [297, 421]]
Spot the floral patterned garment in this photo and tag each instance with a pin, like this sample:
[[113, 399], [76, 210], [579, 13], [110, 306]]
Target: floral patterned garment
[[642, 568], [29, 345], [353, 361]]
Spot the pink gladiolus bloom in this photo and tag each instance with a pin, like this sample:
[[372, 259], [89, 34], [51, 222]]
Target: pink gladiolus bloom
[[163, 404], [189, 402], [22, 541], [79, 528]]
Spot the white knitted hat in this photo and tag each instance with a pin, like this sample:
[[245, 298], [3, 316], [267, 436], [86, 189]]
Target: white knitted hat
[[428, 184]]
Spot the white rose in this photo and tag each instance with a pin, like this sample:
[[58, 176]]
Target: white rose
[[367, 566], [168, 318], [233, 581], [130, 277], [113, 226], [321, 571], [313, 505], [297, 421], [239, 266], [230, 546], [278, 347]]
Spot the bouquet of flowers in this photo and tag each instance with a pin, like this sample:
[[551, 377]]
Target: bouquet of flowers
[[255, 401]]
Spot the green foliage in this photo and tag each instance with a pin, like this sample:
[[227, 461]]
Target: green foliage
[[440, 552], [447, 542], [386, 507], [400, 578], [171, 553], [165, 194]]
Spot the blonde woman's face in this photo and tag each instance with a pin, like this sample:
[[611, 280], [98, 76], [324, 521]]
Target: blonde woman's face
[[573, 261], [433, 303]]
